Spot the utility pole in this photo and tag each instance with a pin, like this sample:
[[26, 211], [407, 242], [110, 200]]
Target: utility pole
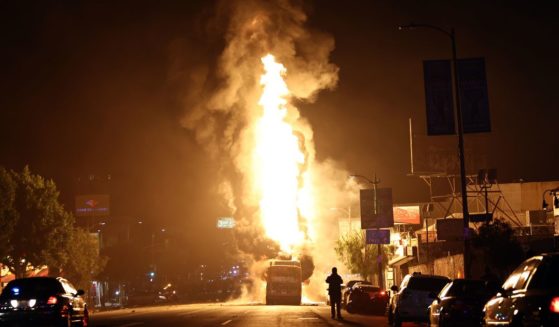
[[379, 246], [375, 182], [458, 118]]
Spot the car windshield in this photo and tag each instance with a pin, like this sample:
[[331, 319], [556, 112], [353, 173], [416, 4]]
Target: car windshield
[[470, 288], [369, 288], [353, 282], [519, 277], [546, 275], [39, 287], [427, 284]]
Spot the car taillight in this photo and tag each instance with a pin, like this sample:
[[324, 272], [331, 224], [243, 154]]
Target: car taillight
[[52, 300], [382, 293], [554, 305]]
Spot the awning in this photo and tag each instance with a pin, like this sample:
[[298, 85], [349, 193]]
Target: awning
[[400, 261]]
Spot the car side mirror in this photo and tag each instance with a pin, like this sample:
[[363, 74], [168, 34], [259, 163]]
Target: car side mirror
[[501, 291], [80, 293], [394, 288]]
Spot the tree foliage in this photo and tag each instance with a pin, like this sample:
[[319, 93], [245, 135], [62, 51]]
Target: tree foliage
[[501, 249], [85, 262], [7, 210], [358, 257], [41, 226], [37, 230]]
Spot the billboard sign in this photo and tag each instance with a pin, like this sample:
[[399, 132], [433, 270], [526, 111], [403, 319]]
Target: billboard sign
[[93, 205], [438, 97], [407, 215], [226, 223], [450, 229], [481, 217], [376, 208], [536, 217], [378, 236]]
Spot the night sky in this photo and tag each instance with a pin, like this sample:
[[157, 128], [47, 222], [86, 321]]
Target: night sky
[[91, 87]]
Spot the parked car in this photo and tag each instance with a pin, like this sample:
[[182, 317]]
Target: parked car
[[529, 296], [460, 303], [411, 300], [39, 301], [367, 299], [347, 288]]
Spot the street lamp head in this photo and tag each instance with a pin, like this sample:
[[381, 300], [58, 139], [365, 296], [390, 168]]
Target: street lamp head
[[409, 26]]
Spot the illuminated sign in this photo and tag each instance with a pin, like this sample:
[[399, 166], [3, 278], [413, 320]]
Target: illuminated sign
[[407, 215], [378, 236], [225, 222], [92, 205]]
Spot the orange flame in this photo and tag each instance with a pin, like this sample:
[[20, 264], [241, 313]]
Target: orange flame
[[278, 160]]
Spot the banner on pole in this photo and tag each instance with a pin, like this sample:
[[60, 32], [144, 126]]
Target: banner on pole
[[376, 208], [438, 97], [474, 97]]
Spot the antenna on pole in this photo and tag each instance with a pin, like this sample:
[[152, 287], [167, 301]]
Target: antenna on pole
[[411, 146]]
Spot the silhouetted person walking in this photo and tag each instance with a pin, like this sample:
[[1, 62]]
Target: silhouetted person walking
[[335, 292]]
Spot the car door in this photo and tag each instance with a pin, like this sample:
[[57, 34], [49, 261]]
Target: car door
[[436, 306]]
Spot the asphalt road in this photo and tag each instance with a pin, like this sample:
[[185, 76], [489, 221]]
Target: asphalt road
[[230, 315]]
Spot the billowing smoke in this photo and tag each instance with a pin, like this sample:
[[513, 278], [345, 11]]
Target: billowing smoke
[[222, 104]]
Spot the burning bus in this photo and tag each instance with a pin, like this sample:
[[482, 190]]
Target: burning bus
[[284, 282]]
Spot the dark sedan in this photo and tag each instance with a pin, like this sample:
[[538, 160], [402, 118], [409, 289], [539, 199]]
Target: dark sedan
[[346, 290], [529, 296], [460, 303], [367, 299], [42, 301]]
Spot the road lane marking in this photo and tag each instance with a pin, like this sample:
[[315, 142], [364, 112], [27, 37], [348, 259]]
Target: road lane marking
[[226, 322], [192, 312], [132, 324]]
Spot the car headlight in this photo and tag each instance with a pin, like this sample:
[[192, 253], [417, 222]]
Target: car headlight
[[13, 303], [32, 303]]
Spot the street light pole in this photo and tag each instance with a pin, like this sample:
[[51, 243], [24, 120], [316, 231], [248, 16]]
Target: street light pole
[[379, 246], [552, 191], [458, 119]]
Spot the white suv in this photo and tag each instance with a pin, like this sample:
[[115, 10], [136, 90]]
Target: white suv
[[410, 302]]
